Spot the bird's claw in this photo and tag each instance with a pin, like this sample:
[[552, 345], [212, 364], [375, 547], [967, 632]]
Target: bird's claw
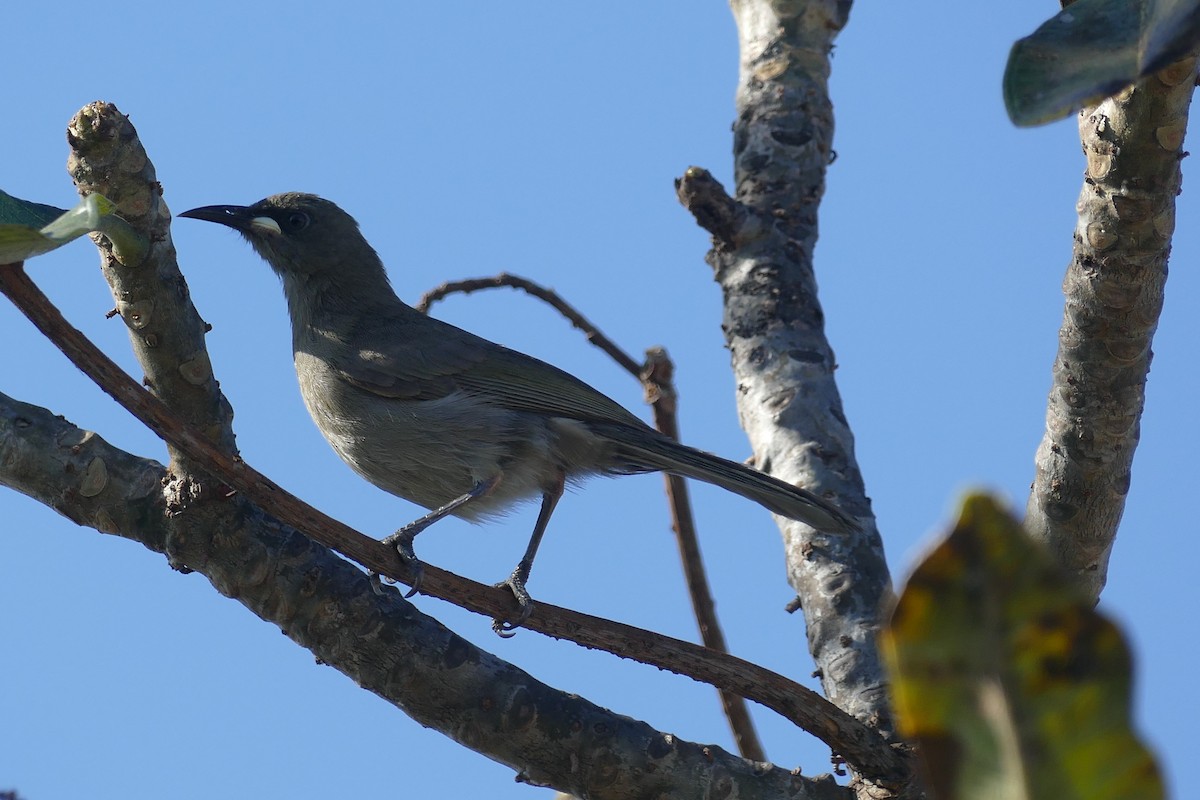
[[516, 585], [418, 573], [402, 540], [376, 582]]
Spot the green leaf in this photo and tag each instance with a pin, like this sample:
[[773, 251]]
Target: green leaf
[[1014, 687], [14, 210], [1092, 49], [30, 229], [128, 245]]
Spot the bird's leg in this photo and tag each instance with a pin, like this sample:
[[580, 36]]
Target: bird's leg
[[402, 539], [516, 581]]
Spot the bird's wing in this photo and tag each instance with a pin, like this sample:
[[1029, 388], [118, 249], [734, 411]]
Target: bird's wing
[[407, 361], [430, 359]]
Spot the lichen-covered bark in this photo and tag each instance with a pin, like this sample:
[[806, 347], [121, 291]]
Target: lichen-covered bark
[[1114, 295], [787, 399]]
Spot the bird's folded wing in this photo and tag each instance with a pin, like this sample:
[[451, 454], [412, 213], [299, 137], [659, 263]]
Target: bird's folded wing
[[428, 362]]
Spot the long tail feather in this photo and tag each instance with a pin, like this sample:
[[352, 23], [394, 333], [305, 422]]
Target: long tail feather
[[662, 453]]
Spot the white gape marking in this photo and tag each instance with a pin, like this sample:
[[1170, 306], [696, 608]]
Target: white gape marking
[[265, 225]]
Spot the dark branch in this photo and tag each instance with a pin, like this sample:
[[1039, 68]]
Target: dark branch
[[590, 331], [851, 739], [658, 377], [726, 219]]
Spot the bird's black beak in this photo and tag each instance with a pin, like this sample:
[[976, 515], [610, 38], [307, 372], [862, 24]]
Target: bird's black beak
[[240, 218]]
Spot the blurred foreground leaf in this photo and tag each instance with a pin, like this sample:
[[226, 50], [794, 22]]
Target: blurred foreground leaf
[[1009, 681], [25, 230], [14, 210], [29, 229], [1091, 50]]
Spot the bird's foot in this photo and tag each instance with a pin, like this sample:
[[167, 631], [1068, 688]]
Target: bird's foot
[[378, 581], [402, 540], [516, 585]]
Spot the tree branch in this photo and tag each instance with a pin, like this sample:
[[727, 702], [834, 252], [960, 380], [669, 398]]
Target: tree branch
[[858, 744], [787, 398], [380, 641], [548, 296], [658, 378], [1114, 296], [788, 402], [152, 297]]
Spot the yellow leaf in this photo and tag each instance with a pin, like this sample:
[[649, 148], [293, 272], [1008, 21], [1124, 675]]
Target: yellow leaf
[[1012, 685]]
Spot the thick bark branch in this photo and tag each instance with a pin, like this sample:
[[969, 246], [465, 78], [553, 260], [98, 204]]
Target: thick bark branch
[[152, 297], [80, 475], [763, 240], [380, 641], [1114, 295]]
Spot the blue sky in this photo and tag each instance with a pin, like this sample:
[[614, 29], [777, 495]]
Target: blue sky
[[542, 139]]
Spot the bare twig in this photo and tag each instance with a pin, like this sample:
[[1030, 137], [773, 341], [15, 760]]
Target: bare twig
[[656, 376], [548, 296], [849, 738]]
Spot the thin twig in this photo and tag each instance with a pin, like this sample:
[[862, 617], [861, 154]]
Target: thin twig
[[656, 376], [549, 296], [848, 737]]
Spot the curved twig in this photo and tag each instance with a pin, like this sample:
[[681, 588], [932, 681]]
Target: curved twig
[[657, 378], [548, 296]]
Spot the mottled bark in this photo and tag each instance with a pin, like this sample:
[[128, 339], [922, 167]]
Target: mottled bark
[[1114, 295], [763, 241], [151, 296]]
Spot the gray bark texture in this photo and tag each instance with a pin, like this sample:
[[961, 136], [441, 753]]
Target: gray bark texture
[[1114, 296], [152, 297], [763, 240]]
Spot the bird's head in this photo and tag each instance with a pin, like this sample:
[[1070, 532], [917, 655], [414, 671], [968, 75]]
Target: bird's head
[[299, 235]]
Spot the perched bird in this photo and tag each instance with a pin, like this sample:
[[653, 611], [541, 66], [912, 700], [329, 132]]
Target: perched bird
[[444, 418]]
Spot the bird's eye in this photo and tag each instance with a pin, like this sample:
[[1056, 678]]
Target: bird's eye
[[296, 221]]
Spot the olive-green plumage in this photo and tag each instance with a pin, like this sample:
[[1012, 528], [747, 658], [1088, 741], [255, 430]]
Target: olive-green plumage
[[439, 416]]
